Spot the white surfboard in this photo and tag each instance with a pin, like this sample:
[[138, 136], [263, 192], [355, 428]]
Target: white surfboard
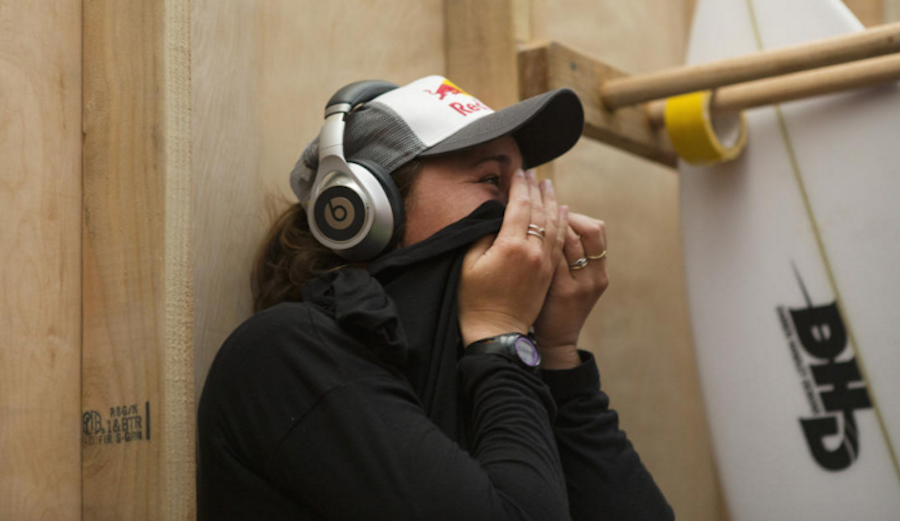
[[793, 271]]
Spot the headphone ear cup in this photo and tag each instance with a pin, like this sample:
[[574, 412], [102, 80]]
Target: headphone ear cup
[[393, 196]]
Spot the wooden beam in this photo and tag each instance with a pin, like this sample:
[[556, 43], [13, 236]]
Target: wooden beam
[[40, 259], [483, 39], [548, 66], [481, 48], [137, 371]]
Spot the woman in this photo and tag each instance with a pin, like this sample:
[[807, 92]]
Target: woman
[[408, 387]]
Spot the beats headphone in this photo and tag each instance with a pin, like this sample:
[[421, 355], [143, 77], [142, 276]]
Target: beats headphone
[[355, 209]]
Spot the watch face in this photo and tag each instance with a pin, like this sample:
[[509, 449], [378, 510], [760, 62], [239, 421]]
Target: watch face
[[527, 352]]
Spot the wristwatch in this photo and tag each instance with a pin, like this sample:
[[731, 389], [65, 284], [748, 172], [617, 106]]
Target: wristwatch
[[515, 346]]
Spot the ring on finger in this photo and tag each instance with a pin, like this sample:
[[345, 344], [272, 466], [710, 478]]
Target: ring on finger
[[597, 257], [536, 234], [537, 228], [580, 264]]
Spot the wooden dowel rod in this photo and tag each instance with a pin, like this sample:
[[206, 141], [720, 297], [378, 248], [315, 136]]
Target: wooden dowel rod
[[827, 80], [831, 51]]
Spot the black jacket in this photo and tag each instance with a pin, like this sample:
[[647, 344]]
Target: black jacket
[[358, 404]]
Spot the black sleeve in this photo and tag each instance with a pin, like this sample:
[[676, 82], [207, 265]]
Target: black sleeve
[[604, 475], [367, 451]]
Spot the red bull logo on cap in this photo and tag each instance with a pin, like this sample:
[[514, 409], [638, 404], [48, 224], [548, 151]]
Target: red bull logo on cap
[[447, 87]]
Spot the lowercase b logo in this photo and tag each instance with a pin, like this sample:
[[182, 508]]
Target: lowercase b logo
[[340, 213]]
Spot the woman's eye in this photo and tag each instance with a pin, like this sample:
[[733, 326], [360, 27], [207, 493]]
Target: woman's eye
[[491, 179]]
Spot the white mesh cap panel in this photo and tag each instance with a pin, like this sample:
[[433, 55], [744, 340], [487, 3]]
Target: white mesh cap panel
[[434, 108]]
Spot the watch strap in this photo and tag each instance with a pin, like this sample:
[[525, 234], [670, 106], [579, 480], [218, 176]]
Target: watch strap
[[504, 345]]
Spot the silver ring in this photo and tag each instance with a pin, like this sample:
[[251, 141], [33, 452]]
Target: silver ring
[[580, 264], [537, 228], [597, 257], [536, 234]]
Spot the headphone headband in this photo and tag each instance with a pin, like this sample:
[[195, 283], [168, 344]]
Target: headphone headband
[[358, 92], [331, 138]]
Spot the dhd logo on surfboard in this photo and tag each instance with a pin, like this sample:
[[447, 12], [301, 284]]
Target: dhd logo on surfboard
[[818, 341]]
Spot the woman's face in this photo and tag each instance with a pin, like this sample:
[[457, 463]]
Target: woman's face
[[451, 186]]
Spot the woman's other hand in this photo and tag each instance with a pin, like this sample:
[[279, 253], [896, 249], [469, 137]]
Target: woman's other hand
[[505, 278], [573, 292]]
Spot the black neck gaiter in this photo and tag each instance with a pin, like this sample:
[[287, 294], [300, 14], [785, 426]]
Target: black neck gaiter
[[404, 307]]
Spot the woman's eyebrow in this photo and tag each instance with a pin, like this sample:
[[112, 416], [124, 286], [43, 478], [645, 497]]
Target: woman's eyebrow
[[503, 159]]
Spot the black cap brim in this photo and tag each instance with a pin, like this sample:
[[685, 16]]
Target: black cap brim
[[545, 127]]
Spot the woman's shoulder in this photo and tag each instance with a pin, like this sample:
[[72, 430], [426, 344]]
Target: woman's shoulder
[[297, 337], [274, 368], [284, 329], [280, 322], [283, 359]]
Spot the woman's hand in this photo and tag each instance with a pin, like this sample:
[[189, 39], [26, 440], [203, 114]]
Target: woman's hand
[[505, 278], [573, 292]]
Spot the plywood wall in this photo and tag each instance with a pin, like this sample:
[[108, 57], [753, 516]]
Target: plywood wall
[[40, 259], [869, 12], [891, 11]]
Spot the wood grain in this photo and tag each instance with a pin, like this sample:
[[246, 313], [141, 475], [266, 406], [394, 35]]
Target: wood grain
[[40, 259], [137, 385], [481, 47]]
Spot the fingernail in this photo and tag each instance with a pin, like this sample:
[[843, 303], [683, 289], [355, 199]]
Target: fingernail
[[530, 174], [520, 173], [545, 185], [563, 212]]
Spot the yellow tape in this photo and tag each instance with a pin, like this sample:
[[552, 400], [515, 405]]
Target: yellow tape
[[693, 135]]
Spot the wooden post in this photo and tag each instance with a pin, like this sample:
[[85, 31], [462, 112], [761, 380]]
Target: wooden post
[[40, 259], [137, 387], [482, 51]]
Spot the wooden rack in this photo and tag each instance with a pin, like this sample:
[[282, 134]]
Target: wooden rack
[[613, 110]]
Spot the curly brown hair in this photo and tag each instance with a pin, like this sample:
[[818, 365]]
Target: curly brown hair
[[290, 255]]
